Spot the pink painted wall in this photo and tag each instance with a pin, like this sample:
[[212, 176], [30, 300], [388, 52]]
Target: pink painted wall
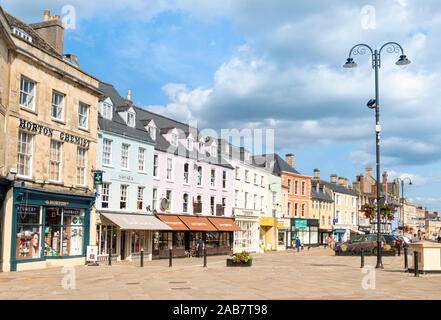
[[178, 186]]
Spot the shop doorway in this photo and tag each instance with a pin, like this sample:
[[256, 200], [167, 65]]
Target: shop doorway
[[123, 245]]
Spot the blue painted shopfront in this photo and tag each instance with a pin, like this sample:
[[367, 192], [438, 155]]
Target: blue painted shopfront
[[49, 225]]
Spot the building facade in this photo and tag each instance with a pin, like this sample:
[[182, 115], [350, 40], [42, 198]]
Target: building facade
[[322, 208], [50, 150]]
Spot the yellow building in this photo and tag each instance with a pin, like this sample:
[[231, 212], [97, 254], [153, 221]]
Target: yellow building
[[322, 209], [50, 105]]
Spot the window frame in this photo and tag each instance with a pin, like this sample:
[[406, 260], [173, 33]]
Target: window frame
[[22, 92], [58, 161], [29, 155], [80, 104], [57, 93]]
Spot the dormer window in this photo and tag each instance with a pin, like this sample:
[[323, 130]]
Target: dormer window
[[130, 119], [174, 139], [213, 151], [201, 147], [190, 144], [247, 156], [21, 34], [106, 110], [152, 132]]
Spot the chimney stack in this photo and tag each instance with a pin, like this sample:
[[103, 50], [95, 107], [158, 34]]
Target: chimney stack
[[384, 182], [129, 95], [333, 178], [316, 174], [51, 30], [369, 172], [341, 181], [356, 186], [290, 159]]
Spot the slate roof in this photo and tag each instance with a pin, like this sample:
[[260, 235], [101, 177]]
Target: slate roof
[[277, 164], [337, 188], [162, 123], [321, 194]]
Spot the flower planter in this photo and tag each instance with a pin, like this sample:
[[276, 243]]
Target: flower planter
[[366, 253], [230, 263]]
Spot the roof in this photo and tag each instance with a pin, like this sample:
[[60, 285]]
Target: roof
[[276, 163], [337, 188], [321, 194]]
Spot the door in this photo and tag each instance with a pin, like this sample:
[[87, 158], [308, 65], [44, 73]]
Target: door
[[123, 245]]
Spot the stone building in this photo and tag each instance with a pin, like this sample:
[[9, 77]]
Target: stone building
[[49, 156]]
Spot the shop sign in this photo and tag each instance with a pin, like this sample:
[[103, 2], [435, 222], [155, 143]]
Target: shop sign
[[124, 177], [283, 223], [28, 210], [56, 203], [248, 213], [98, 177], [164, 204], [300, 224], [92, 253], [37, 128], [71, 212], [267, 221]]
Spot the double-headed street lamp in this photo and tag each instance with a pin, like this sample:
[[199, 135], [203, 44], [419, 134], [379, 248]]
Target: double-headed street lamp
[[402, 196], [360, 49]]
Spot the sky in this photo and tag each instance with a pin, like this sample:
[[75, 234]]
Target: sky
[[276, 65]]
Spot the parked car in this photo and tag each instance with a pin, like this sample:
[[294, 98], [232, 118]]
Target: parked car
[[369, 242], [405, 241]]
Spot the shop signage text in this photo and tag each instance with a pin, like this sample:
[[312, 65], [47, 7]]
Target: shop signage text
[[29, 210], [300, 224], [37, 128], [71, 212], [56, 203]]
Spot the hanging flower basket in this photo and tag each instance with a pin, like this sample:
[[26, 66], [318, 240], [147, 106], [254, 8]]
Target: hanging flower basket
[[369, 210], [388, 211]]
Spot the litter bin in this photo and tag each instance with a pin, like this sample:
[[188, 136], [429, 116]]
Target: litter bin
[[429, 256]]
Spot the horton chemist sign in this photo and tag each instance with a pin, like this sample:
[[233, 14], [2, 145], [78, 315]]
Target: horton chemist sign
[[300, 224]]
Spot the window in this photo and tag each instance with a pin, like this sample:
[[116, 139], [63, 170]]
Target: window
[[201, 147], [212, 205], [141, 159], [154, 199], [152, 132], [246, 200], [255, 179], [224, 205], [125, 156], [25, 150], [55, 161], [236, 198], [105, 195], [107, 111], [168, 196], [346, 201], [130, 119], [83, 115], [329, 220], [303, 210], [27, 93], [296, 184], [213, 178], [246, 176], [107, 151], [169, 168], [346, 218], [57, 105], [155, 165], [338, 214], [22, 34], [224, 179], [303, 188], [262, 180], [274, 197], [247, 156], [262, 206], [140, 198], [174, 139], [289, 185], [255, 202], [337, 197], [289, 209], [236, 173], [190, 144], [353, 202], [295, 209], [185, 203], [323, 220], [81, 166], [123, 196], [186, 173], [353, 218], [213, 151], [199, 176]]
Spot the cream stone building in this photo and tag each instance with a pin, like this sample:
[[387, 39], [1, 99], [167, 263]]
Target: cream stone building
[[50, 109]]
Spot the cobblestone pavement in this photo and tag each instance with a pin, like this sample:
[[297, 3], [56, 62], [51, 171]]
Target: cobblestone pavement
[[311, 274]]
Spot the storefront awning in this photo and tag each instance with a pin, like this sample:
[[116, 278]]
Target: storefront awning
[[339, 230], [223, 224], [173, 222], [197, 223], [127, 221], [357, 231]]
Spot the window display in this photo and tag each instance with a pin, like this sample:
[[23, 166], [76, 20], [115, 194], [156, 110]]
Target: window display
[[179, 240], [106, 237], [28, 236]]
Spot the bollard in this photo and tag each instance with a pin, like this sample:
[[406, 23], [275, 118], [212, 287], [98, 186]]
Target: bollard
[[142, 257], [415, 264], [110, 256], [170, 258], [405, 259], [362, 259], [205, 258], [297, 248]]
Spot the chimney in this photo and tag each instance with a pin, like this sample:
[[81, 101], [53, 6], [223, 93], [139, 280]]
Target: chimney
[[369, 172], [384, 182], [129, 95], [316, 174], [346, 182], [360, 178], [290, 159], [341, 181], [51, 30], [356, 186], [333, 178]]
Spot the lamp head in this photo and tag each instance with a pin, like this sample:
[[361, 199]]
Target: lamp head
[[403, 61], [350, 63], [371, 103]]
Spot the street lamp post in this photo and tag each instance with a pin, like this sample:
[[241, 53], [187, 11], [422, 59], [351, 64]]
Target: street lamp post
[[402, 196], [360, 49]]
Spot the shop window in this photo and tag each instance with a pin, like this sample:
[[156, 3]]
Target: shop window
[[212, 240], [107, 236], [28, 236], [179, 240], [137, 242], [162, 241]]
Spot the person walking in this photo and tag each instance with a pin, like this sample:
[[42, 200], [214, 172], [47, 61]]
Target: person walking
[[331, 241], [297, 243], [201, 246]]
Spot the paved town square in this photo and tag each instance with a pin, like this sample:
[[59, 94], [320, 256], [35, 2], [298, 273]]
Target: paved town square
[[313, 274]]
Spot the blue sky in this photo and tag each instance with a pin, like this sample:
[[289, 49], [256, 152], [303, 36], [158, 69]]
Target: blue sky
[[276, 65]]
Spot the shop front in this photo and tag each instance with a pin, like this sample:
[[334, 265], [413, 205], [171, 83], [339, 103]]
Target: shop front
[[324, 235], [126, 235], [247, 239], [306, 230], [217, 234], [339, 235], [47, 229], [365, 230], [283, 225], [267, 234]]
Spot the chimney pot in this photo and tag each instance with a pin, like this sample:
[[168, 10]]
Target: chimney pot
[[290, 159], [51, 18], [316, 174], [333, 178], [46, 14], [57, 17]]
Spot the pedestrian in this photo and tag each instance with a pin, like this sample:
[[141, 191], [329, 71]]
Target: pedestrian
[[331, 242], [201, 246], [297, 243]]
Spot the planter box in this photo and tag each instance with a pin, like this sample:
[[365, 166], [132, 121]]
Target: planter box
[[230, 263], [366, 253]]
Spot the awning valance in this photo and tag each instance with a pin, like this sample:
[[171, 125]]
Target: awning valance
[[128, 221], [197, 223], [225, 224]]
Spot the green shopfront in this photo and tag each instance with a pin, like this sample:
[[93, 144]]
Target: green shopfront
[[306, 230], [48, 228]]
